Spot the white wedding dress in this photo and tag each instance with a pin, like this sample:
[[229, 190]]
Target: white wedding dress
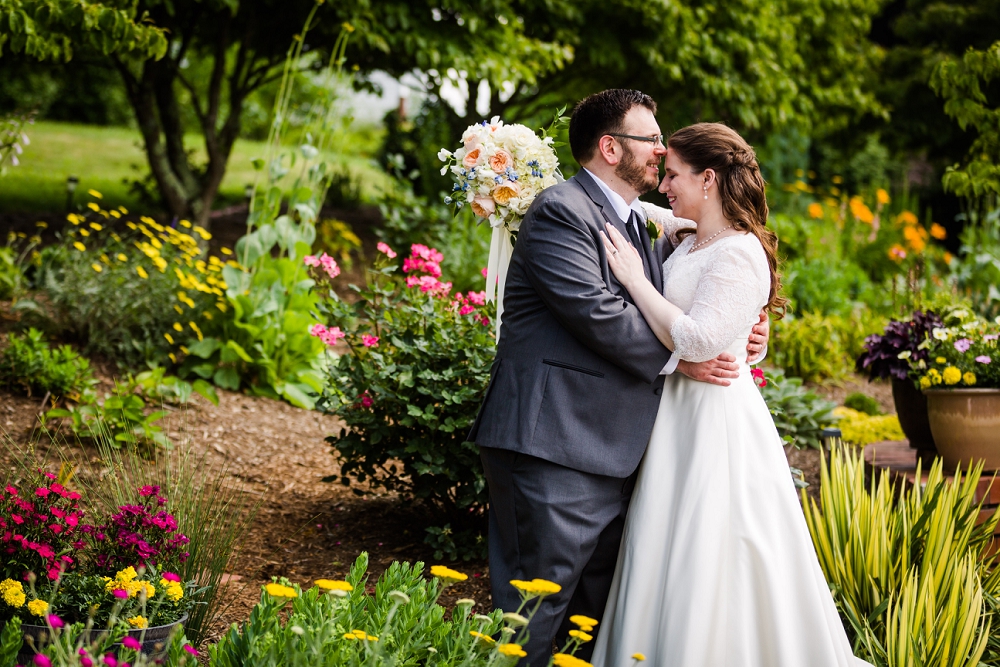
[[717, 568]]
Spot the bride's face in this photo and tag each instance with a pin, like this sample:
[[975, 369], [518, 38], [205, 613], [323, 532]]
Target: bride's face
[[683, 187]]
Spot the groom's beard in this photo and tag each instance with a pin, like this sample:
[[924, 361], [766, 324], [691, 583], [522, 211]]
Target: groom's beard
[[634, 173]]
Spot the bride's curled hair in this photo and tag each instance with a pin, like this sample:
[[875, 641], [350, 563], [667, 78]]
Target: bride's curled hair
[[741, 187]]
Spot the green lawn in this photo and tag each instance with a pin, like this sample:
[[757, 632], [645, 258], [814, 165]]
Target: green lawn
[[104, 157]]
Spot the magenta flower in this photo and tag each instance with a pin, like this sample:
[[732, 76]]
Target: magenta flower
[[170, 576], [55, 621], [466, 309], [110, 660], [477, 298], [369, 341], [42, 661], [42, 492], [983, 359], [132, 643], [366, 400], [429, 254], [191, 649], [963, 345], [120, 593], [386, 250], [485, 271], [86, 662]]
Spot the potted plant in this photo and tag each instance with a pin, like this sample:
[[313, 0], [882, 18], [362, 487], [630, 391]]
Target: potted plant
[[106, 577], [961, 379], [889, 355]]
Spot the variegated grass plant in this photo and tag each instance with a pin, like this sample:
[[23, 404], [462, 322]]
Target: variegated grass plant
[[909, 567]]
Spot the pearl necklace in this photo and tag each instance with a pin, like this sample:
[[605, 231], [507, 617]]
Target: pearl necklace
[[701, 243]]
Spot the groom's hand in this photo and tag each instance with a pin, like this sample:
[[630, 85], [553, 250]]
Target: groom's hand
[[759, 336], [715, 371]]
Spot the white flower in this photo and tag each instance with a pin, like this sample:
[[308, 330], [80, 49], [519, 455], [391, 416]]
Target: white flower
[[905, 354], [940, 334], [444, 154]]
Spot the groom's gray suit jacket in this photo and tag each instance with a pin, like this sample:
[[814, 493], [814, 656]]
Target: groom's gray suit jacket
[[576, 376]]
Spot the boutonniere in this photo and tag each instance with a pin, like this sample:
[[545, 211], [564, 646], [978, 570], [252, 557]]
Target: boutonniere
[[654, 230]]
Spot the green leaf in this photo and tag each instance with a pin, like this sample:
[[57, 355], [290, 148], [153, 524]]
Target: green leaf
[[205, 348], [227, 378]]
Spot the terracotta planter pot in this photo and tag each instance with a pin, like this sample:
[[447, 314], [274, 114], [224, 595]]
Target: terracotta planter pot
[[966, 425], [154, 641], [911, 407]]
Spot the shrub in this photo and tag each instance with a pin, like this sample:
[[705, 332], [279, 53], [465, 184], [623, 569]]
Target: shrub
[[908, 571], [411, 385], [887, 355], [863, 429], [819, 347], [120, 417], [799, 415], [827, 286], [129, 297], [863, 403], [29, 364]]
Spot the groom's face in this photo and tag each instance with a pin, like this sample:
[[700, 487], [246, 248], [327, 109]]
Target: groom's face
[[640, 162]]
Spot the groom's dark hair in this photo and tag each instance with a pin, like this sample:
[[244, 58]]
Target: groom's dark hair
[[599, 114]]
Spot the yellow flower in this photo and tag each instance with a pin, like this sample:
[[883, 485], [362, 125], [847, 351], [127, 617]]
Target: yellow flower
[[861, 211], [172, 589], [149, 588], [938, 232], [225, 251], [95, 194], [969, 378], [280, 591], [882, 196], [638, 657], [941, 360], [567, 660], [93, 207], [123, 210], [170, 339], [138, 622], [185, 224], [480, 636], [536, 587], [42, 225], [160, 263], [96, 227], [349, 635], [79, 246], [925, 382], [581, 621], [12, 592], [815, 210], [197, 331], [97, 267], [115, 214], [178, 327], [333, 585], [837, 179], [126, 575], [512, 651], [84, 233], [142, 272], [121, 257], [447, 575], [951, 375], [179, 310], [38, 607], [581, 635], [202, 233]]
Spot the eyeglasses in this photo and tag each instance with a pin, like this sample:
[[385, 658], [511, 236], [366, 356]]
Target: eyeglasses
[[655, 139]]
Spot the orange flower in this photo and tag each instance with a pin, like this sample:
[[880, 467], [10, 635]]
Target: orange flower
[[815, 210], [882, 196], [897, 253], [906, 218], [471, 158], [861, 211], [938, 232], [500, 161]]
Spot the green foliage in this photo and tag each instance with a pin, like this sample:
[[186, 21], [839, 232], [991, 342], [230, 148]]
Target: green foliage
[[409, 401], [13, 139], [964, 354], [11, 276], [10, 642], [120, 417], [29, 364], [909, 571], [827, 286], [54, 29], [977, 271], [452, 546], [400, 624], [87, 274], [818, 347], [799, 415], [77, 645], [863, 429], [863, 403], [156, 385], [337, 239]]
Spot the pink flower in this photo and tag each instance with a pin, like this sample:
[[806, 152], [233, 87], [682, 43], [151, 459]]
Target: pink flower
[[983, 359], [110, 660], [72, 520], [170, 576], [42, 661], [132, 643], [55, 621], [317, 330], [41, 492], [386, 250], [418, 264], [11, 490], [466, 309], [485, 271], [477, 298], [423, 252], [310, 260], [758, 377], [191, 649], [369, 341], [991, 336], [56, 528], [366, 400], [86, 662], [963, 345], [120, 593], [329, 265], [332, 335]]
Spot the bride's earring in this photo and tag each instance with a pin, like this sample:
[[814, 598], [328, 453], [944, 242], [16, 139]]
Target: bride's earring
[[705, 188]]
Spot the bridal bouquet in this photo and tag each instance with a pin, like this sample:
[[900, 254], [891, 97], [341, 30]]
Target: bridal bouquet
[[498, 172]]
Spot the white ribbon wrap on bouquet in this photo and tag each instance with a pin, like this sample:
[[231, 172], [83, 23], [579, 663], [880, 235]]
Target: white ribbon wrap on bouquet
[[501, 249]]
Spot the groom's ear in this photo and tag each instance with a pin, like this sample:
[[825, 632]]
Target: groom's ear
[[609, 150]]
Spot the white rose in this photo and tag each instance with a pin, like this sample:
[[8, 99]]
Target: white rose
[[444, 154]]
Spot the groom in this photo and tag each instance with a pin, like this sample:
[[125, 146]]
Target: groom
[[578, 374]]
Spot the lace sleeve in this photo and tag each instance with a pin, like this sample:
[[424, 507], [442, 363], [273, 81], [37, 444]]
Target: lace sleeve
[[727, 302], [666, 219]]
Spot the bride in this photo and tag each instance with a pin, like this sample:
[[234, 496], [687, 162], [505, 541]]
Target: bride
[[716, 566]]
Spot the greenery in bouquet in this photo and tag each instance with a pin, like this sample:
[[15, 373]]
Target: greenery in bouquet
[[963, 355], [890, 353], [410, 385], [131, 296]]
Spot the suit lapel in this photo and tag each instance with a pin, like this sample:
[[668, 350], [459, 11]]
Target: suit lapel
[[655, 268], [594, 191]]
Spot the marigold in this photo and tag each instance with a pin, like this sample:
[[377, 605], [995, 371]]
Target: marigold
[[512, 651], [139, 622], [447, 575], [906, 218], [969, 378], [951, 375], [38, 607], [925, 382], [12, 593]]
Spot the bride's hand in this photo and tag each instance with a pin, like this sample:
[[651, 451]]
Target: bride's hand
[[623, 257]]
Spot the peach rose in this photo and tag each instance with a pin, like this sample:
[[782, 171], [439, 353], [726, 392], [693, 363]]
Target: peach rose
[[500, 161], [471, 158], [484, 207], [506, 191]]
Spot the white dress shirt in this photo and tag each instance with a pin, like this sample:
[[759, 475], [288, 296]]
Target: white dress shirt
[[624, 210]]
